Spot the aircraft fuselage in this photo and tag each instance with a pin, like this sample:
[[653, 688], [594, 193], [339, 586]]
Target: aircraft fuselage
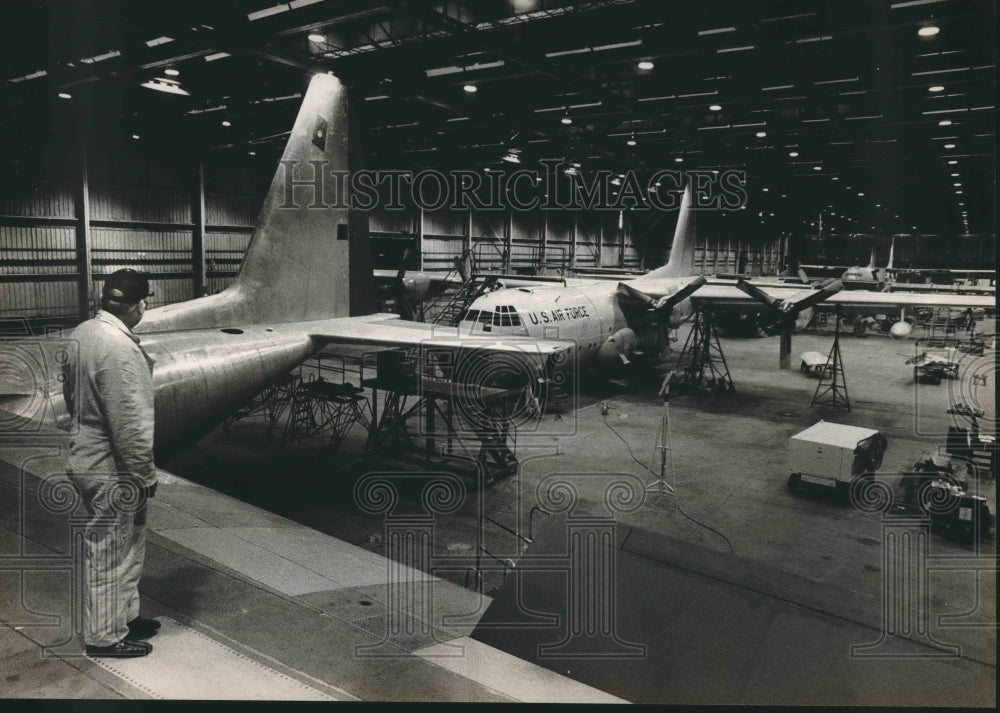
[[585, 312]]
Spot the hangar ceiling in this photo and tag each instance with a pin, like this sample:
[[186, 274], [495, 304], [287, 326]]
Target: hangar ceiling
[[834, 106]]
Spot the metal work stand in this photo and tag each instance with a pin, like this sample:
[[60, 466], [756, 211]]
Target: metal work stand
[[493, 429], [702, 362], [835, 391], [322, 408], [272, 402], [660, 485]]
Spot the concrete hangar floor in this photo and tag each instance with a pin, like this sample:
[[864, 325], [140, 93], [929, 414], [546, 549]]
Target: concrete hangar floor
[[270, 573], [731, 515]]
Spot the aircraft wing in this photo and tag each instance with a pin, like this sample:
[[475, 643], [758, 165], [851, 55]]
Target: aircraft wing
[[444, 277], [729, 295], [390, 331]]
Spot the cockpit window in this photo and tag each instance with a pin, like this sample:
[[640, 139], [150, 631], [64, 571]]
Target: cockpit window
[[475, 315], [505, 316]]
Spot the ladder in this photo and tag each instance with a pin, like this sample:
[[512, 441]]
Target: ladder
[[457, 301]]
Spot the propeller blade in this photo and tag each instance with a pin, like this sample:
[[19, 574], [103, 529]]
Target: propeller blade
[[403, 306], [758, 294], [634, 297], [669, 301], [402, 266], [630, 295], [823, 290]]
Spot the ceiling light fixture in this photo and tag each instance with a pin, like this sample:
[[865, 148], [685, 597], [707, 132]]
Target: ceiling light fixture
[[316, 37], [167, 86], [645, 65], [715, 107], [944, 122], [817, 168], [793, 154], [630, 142], [836, 178], [761, 134], [65, 95], [952, 162], [678, 159], [226, 122], [135, 136], [566, 120], [936, 88], [171, 72], [928, 30], [470, 88]]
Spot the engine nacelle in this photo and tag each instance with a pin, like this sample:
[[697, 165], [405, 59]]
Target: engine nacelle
[[416, 287], [617, 348], [900, 330]]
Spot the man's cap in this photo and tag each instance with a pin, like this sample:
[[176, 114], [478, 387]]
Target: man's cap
[[127, 286]]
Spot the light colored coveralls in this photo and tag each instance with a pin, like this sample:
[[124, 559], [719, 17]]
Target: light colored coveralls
[[110, 395]]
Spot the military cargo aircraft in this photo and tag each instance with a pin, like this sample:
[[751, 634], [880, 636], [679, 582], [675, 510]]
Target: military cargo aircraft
[[305, 283]]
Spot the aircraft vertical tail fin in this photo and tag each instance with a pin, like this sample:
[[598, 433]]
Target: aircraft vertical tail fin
[[681, 262], [871, 260], [298, 264], [892, 249]]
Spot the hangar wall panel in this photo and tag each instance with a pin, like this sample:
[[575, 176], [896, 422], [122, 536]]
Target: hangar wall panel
[[390, 221], [526, 226], [42, 199], [147, 205], [487, 224], [440, 251], [44, 298], [444, 222], [140, 249], [231, 210], [37, 249]]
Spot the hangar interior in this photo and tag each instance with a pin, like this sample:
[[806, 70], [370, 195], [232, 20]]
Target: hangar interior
[[147, 136]]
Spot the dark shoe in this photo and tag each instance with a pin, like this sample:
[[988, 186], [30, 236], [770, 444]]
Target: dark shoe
[[124, 649], [142, 628]]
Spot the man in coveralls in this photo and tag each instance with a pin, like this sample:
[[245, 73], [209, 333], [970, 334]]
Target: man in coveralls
[[109, 394]]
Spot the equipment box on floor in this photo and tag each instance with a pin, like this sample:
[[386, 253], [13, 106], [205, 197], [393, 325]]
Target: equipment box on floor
[[833, 454]]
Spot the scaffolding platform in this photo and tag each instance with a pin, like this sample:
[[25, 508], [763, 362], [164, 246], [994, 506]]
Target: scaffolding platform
[[272, 403], [457, 421], [325, 410]]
